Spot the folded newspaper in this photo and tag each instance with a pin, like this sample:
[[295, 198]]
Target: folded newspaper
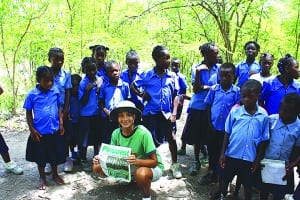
[[273, 171], [113, 163]]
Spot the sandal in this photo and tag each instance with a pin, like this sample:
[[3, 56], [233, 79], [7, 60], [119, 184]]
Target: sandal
[[42, 184], [57, 179]]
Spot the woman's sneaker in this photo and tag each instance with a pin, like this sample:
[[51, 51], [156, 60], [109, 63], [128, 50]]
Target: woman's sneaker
[[175, 168], [13, 168]]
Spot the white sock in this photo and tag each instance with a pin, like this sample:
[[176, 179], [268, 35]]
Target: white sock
[[147, 198]]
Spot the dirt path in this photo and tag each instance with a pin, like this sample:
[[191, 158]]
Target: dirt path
[[83, 185]]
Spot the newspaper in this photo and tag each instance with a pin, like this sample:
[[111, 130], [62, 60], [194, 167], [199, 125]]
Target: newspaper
[[273, 171], [113, 163]]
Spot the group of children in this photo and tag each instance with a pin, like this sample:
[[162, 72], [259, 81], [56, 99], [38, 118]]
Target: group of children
[[65, 111], [244, 123]]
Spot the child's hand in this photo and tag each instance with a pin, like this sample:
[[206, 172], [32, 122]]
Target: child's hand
[[132, 159], [255, 166], [222, 160], [173, 118], [146, 96], [89, 86], [96, 166], [35, 135]]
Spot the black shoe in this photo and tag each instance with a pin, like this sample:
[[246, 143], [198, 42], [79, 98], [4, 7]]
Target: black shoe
[[208, 179]]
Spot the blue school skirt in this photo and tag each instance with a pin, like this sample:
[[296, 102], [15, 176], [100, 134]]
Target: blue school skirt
[[195, 130], [3, 146], [51, 149]]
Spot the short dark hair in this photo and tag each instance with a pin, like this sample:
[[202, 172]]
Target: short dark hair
[[54, 51], [156, 52], [43, 71], [131, 54], [206, 48], [228, 65], [97, 47], [252, 85], [85, 62], [293, 100], [252, 42], [75, 78], [109, 64]]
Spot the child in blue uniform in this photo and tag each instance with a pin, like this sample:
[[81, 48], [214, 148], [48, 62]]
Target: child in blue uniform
[[248, 67], [99, 53], [220, 99], [246, 132], [275, 89], [284, 136], [62, 81], [45, 121], [204, 76], [132, 73], [74, 116], [89, 111], [158, 85], [111, 94]]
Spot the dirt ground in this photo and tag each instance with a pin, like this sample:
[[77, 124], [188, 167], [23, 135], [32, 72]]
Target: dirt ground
[[87, 185]]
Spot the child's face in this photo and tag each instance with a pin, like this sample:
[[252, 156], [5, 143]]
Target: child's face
[[175, 65], [74, 89], [113, 72], [57, 60], [293, 70], [226, 77], [287, 113], [100, 56], [251, 50], [91, 71], [126, 119], [132, 63], [212, 55], [46, 83], [163, 61], [266, 63], [249, 98]]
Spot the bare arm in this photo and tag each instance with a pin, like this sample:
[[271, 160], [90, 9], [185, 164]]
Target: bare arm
[[34, 134], [150, 162]]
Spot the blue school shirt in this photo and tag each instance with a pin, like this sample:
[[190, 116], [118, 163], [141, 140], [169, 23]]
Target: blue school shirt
[[113, 95], [101, 73], [246, 132], [242, 71], [74, 109], [273, 91], [161, 91], [45, 108], [136, 75], [208, 77], [221, 103], [282, 139], [91, 108], [63, 82], [180, 82]]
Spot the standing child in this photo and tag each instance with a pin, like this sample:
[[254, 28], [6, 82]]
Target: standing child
[[132, 73], [74, 116], [10, 165], [111, 94], [246, 130], [89, 111], [266, 62], [158, 85], [275, 89], [45, 121], [62, 81], [180, 88], [205, 75], [145, 161], [248, 67], [99, 53], [220, 99], [284, 136]]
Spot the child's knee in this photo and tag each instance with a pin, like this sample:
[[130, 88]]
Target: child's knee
[[143, 174]]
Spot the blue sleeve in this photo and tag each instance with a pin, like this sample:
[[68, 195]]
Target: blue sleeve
[[81, 90], [28, 105], [68, 81], [229, 122], [210, 97], [139, 82], [102, 92], [265, 91]]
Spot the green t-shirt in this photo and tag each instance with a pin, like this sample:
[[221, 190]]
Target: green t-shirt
[[140, 142]]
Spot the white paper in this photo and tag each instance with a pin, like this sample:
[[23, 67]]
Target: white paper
[[273, 171]]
